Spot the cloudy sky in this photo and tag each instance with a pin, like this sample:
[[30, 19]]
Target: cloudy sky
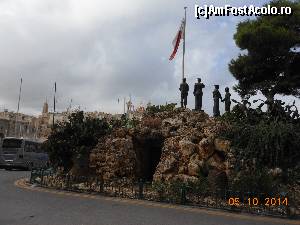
[[98, 51]]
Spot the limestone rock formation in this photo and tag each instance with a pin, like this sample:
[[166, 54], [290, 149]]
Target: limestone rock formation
[[115, 157], [166, 146], [191, 147]]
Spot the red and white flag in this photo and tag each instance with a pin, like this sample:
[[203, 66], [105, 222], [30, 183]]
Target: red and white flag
[[178, 37]]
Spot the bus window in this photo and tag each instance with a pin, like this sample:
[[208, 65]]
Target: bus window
[[33, 147], [39, 148], [12, 143], [29, 147]]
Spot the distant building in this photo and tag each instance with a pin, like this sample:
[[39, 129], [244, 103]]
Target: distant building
[[39, 127], [17, 124], [21, 125]]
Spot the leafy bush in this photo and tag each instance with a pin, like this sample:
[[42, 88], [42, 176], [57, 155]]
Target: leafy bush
[[268, 139], [201, 186], [261, 141], [159, 187], [272, 144], [171, 191], [254, 181], [175, 190], [152, 109], [71, 141], [124, 122]]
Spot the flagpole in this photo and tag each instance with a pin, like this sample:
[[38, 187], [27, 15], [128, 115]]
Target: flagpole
[[54, 104], [20, 90], [124, 104], [183, 52]]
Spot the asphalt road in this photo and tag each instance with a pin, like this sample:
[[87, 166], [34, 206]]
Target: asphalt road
[[20, 206]]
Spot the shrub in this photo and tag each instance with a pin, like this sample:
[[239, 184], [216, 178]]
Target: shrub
[[160, 188], [268, 143], [201, 186], [269, 139], [254, 181], [71, 141], [171, 191], [152, 109]]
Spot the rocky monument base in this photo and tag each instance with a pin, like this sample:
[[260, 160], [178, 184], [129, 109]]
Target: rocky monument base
[[167, 146]]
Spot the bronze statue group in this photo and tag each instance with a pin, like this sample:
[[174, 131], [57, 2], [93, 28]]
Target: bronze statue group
[[198, 93]]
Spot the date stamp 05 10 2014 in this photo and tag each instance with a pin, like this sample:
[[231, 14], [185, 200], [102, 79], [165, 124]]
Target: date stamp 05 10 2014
[[254, 201]]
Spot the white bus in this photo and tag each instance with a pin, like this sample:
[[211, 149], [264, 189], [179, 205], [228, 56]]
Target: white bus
[[20, 153]]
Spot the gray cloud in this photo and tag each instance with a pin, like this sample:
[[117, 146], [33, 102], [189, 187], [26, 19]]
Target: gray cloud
[[99, 51]]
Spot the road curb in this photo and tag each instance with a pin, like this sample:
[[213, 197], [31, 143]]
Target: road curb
[[23, 183]]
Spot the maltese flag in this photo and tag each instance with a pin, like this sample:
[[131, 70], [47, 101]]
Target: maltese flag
[[178, 37]]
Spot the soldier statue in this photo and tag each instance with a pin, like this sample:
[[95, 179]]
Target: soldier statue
[[227, 100], [216, 96], [184, 89], [198, 93]]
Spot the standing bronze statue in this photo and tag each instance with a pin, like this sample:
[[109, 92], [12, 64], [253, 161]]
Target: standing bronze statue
[[227, 100], [198, 93], [217, 96], [184, 89]]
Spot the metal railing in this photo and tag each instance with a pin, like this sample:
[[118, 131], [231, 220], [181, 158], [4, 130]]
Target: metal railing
[[255, 203]]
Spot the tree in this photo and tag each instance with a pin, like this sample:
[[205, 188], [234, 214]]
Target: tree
[[270, 62], [70, 142]]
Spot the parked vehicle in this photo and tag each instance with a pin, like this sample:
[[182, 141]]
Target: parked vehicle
[[21, 153]]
